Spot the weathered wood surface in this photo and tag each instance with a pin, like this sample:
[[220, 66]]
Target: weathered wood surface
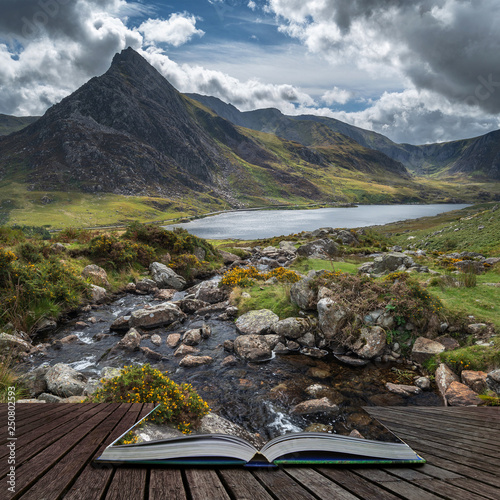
[[56, 444]]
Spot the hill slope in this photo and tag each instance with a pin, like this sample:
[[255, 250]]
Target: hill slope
[[477, 157], [10, 124]]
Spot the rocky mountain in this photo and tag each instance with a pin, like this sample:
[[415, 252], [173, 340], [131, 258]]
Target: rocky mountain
[[10, 124], [129, 132], [478, 157]]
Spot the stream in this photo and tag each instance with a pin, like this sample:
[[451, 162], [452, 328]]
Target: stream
[[258, 396]]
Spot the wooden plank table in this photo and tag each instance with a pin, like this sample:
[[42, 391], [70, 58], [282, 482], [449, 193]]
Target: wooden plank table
[[56, 444]]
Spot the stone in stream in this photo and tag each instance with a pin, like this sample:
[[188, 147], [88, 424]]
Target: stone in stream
[[403, 390], [190, 306], [165, 277], [184, 349], [12, 344], [229, 361], [121, 323], [192, 337], [192, 361], [130, 342], [156, 339], [209, 291], [173, 340], [252, 348], [314, 406], [64, 381], [149, 353], [351, 361], [160, 315], [256, 322]]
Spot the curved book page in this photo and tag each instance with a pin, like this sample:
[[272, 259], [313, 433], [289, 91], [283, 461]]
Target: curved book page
[[151, 441]]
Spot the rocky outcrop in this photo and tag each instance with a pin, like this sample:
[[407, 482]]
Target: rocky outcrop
[[332, 316], [160, 315], [319, 249], [165, 277], [303, 294], [256, 322], [391, 262], [64, 381]]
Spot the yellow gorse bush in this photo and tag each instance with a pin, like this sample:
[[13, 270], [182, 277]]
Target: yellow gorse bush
[[180, 404], [246, 276]]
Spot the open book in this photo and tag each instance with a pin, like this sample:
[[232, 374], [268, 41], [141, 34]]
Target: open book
[[140, 444]]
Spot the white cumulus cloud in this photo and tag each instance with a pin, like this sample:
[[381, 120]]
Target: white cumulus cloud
[[177, 30]]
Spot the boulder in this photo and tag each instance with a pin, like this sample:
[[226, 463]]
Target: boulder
[[34, 381], [477, 328], [49, 398], [145, 286], [130, 342], [256, 322], [424, 348], [165, 294], [475, 380], [98, 293], [291, 328], [331, 317], [228, 258], [444, 377], [313, 406], [209, 291], [371, 342], [229, 361], [97, 275], [493, 381], [165, 277], [252, 348], [459, 394], [303, 294], [307, 340], [64, 381], [193, 361], [160, 315], [12, 344], [190, 306], [319, 249]]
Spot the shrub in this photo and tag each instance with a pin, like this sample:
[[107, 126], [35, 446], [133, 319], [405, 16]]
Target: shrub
[[247, 276], [71, 234], [180, 403], [114, 253]]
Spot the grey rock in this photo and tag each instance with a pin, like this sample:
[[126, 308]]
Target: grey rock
[[459, 394], [423, 383], [160, 315], [424, 348], [173, 340], [165, 277], [49, 398], [190, 306], [209, 291], [120, 323], [292, 328], [156, 339], [64, 381], [256, 322], [371, 342], [252, 348], [34, 381], [96, 274], [130, 342], [192, 337], [146, 286], [14, 345], [314, 406], [493, 380], [98, 293], [444, 377], [192, 361], [332, 316], [319, 249], [302, 294], [149, 353], [184, 349], [475, 380]]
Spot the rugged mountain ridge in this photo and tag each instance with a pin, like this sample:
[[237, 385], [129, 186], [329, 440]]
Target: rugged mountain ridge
[[129, 132], [479, 156]]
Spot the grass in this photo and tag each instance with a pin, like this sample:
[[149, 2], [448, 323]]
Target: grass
[[306, 265], [483, 302], [8, 379], [273, 297]]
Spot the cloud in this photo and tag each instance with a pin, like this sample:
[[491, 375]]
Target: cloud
[[177, 30], [336, 95], [246, 95], [448, 47]]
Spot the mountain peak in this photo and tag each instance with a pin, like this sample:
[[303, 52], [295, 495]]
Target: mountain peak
[[129, 56]]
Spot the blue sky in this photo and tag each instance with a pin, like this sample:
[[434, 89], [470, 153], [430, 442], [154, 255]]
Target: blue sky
[[418, 72]]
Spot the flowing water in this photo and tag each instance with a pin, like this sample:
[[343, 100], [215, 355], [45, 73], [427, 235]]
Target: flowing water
[[259, 396]]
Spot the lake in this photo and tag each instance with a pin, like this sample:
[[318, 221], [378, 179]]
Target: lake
[[256, 224]]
